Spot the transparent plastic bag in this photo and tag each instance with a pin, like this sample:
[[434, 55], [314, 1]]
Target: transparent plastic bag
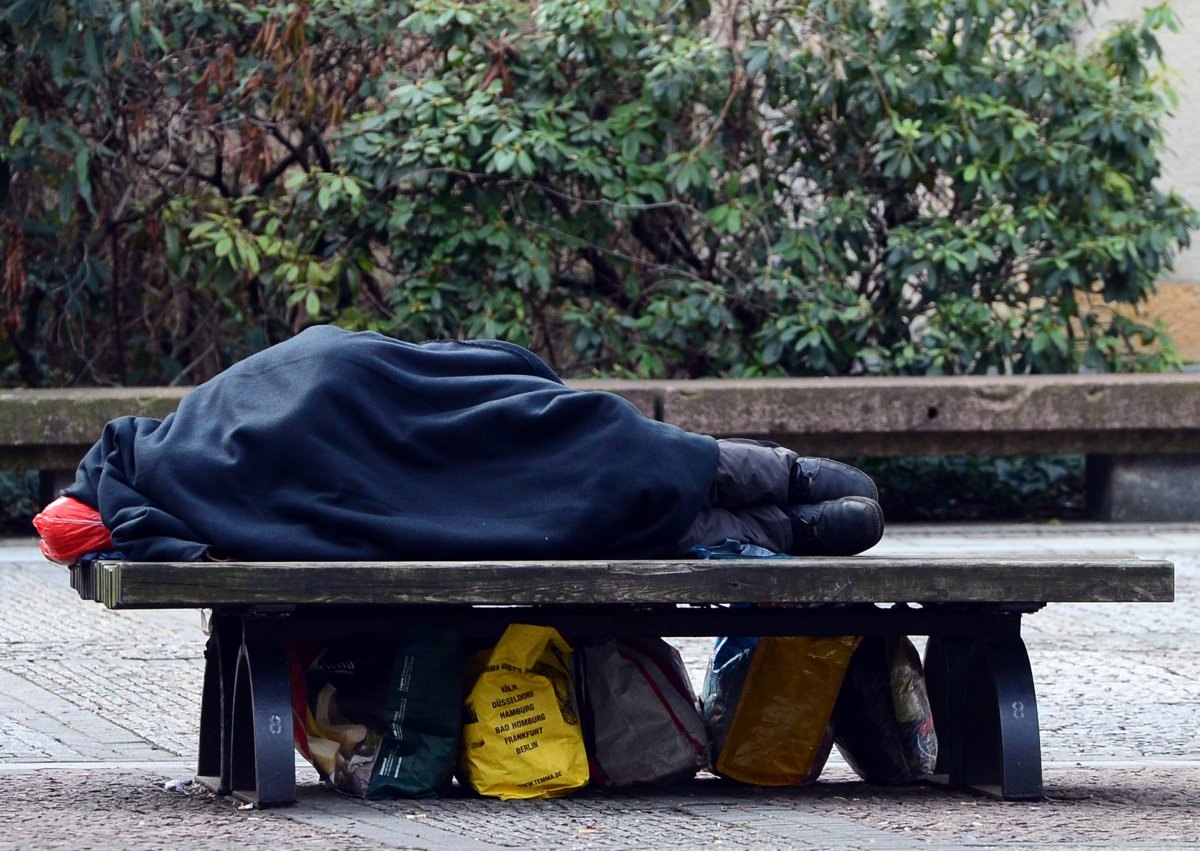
[[883, 724]]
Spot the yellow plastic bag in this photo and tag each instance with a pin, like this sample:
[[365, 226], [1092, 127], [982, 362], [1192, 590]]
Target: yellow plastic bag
[[772, 729], [522, 737]]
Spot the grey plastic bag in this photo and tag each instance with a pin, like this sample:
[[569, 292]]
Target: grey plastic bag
[[641, 719]]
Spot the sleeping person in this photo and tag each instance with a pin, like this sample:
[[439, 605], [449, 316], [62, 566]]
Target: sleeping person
[[341, 446]]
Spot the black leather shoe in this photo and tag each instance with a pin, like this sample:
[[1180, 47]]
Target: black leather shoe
[[838, 527], [816, 480]]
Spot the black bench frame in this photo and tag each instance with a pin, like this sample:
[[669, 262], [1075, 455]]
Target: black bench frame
[[977, 668]]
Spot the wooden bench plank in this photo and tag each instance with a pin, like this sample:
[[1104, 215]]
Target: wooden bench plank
[[859, 579]]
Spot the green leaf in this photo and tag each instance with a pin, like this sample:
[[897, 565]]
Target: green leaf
[[91, 51], [159, 40], [17, 131], [504, 159], [20, 12], [757, 60], [772, 351], [171, 242], [248, 255], [683, 180], [83, 176], [718, 215]]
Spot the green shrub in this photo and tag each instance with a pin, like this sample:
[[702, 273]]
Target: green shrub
[[637, 188], [18, 501], [1025, 487]]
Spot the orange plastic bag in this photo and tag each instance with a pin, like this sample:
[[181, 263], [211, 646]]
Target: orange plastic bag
[[768, 702], [70, 530]]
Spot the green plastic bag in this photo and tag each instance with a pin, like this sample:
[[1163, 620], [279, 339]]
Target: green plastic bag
[[380, 717]]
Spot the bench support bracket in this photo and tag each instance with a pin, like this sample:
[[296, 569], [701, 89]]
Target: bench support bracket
[[262, 768], [216, 703], [985, 709], [246, 735]]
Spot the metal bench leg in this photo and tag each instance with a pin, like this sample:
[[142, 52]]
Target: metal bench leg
[[1002, 753], [262, 757], [220, 661], [947, 661]]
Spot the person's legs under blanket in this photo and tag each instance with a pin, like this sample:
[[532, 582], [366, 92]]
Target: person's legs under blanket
[[835, 527], [770, 496], [755, 472], [750, 473], [764, 526]]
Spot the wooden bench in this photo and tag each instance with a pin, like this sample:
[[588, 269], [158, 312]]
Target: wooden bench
[[1141, 433], [977, 669]]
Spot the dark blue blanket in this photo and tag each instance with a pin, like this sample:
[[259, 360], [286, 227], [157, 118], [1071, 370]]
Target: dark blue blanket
[[340, 446]]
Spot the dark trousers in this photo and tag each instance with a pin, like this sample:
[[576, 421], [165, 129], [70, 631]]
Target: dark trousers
[[752, 482]]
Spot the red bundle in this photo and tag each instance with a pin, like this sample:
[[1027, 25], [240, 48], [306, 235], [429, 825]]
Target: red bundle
[[71, 529]]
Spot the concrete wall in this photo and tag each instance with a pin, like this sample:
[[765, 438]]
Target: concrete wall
[[1178, 298]]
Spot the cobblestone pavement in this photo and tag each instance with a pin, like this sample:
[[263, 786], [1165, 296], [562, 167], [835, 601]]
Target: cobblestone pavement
[[99, 710]]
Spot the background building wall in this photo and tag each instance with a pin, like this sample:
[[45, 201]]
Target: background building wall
[[1178, 299]]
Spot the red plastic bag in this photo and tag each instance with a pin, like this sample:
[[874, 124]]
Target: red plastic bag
[[71, 529]]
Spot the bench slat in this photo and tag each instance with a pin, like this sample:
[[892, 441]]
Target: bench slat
[[860, 579]]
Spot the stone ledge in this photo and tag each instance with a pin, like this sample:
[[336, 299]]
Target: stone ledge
[[1138, 417], [948, 415], [45, 428], [1105, 414]]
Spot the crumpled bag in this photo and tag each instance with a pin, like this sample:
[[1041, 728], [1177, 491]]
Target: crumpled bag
[[522, 737], [641, 718], [71, 529], [379, 717], [767, 703], [883, 723]]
